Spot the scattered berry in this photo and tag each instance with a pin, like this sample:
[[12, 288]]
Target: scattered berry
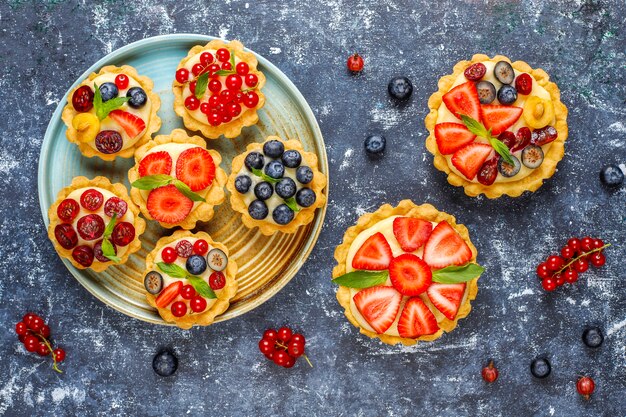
[[355, 63], [585, 386], [34, 334], [165, 363], [540, 368], [490, 372], [400, 88], [283, 347], [611, 175], [375, 144], [593, 337]]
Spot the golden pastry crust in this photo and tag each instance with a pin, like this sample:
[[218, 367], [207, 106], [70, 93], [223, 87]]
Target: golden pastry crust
[[98, 182], [152, 126], [408, 209], [304, 216], [223, 298], [512, 188], [248, 117]]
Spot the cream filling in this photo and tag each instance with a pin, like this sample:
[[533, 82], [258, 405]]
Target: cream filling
[[444, 115], [127, 217], [386, 228]]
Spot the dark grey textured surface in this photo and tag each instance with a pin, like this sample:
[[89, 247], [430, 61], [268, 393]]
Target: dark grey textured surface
[[44, 47]]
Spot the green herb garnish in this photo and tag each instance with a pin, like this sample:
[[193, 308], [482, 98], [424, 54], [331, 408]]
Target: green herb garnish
[[103, 109], [108, 251], [362, 279], [456, 274], [197, 283], [150, 182], [478, 129]]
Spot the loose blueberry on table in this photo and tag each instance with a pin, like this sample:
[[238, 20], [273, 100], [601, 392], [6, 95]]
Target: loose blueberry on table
[[375, 145], [165, 363], [34, 333], [540, 368], [283, 347], [400, 88], [612, 176], [593, 337]]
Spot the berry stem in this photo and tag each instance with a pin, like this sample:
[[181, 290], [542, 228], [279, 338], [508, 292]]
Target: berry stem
[[49, 346], [580, 256], [308, 361]]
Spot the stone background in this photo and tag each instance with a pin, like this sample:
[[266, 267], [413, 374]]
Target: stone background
[[45, 46]]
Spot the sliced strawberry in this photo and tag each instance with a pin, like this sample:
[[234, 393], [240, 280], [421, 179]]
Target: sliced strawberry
[[169, 294], [445, 247], [374, 255], [463, 99], [195, 167], [452, 136], [469, 159], [155, 163], [447, 298], [409, 274], [416, 319], [411, 233], [132, 125], [168, 205], [379, 306], [500, 118]]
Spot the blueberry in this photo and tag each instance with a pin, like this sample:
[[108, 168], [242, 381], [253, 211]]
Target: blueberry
[[508, 170], [196, 264], [486, 92], [305, 197], [273, 148], [304, 174], [108, 91], [153, 281], [611, 175], [507, 94], [138, 97], [257, 210], [275, 169], [593, 337], [540, 368], [375, 144], [263, 190], [286, 188], [243, 183], [400, 88], [165, 363], [504, 72], [254, 160], [282, 214], [291, 159]]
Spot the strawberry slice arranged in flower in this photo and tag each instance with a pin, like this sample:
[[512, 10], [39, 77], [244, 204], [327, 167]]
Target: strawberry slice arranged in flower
[[155, 163], [168, 205], [499, 118], [411, 233], [447, 298], [445, 247], [463, 99], [452, 136], [374, 255], [379, 306], [131, 124], [469, 159], [416, 319], [195, 167], [409, 274]]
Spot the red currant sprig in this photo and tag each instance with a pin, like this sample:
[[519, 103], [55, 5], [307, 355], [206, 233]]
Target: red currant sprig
[[34, 334], [490, 372], [283, 347]]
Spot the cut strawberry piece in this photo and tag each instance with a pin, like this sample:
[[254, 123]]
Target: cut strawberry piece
[[469, 159], [409, 274], [447, 298], [445, 247], [452, 136], [195, 167], [463, 99], [379, 306], [169, 294], [411, 233], [132, 125], [374, 255], [168, 205], [416, 319], [500, 118], [155, 163]]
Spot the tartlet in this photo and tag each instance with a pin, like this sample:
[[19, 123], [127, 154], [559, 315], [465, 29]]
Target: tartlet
[[217, 89], [183, 158], [405, 249], [522, 108], [110, 130], [276, 186], [80, 221]]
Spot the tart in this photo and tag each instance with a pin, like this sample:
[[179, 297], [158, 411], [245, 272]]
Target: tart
[[217, 89], [276, 186], [94, 224], [496, 127], [176, 180], [406, 273], [189, 278], [112, 113]]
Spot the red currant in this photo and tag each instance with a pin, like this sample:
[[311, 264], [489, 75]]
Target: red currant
[[250, 99], [574, 244], [555, 263], [206, 58], [298, 338], [31, 343], [559, 279], [585, 386], [226, 96], [59, 354], [214, 119], [355, 63], [490, 373], [567, 252], [290, 362], [226, 66], [548, 284], [121, 81], [586, 244], [213, 68], [21, 328], [295, 349], [597, 259], [28, 317], [182, 75], [284, 334], [226, 118], [42, 349], [239, 97], [192, 103], [187, 292], [217, 280], [214, 101], [233, 82], [222, 54], [192, 87], [201, 247], [205, 107], [280, 357], [169, 255], [234, 109], [252, 80], [197, 304], [270, 334], [179, 309], [571, 276], [45, 331], [597, 243], [581, 265], [35, 324], [524, 84], [475, 71], [215, 86], [197, 69], [242, 68], [266, 346], [543, 271]]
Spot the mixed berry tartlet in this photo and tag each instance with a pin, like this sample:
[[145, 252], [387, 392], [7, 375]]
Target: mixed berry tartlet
[[94, 224], [176, 180], [190, 279], [217, 89], [496, 127], [406, 273], [111, 113], [276, 186]]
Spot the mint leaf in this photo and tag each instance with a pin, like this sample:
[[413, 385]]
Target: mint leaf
[[291, 203], [201, 287], [103, 109], [456, 274], [109, 229], [362, 279], [263, 176], [172, 270], [232, 60], [224, 72], [184, 188], [107, 247], [201, 84], [502, 150], [478, 129], [150, 182]]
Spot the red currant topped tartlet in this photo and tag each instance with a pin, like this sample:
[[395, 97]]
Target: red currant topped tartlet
[[406, 273], [496, 127], [176, 180], [217, 89], [190, 279], [94, 224], [111, 113]]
